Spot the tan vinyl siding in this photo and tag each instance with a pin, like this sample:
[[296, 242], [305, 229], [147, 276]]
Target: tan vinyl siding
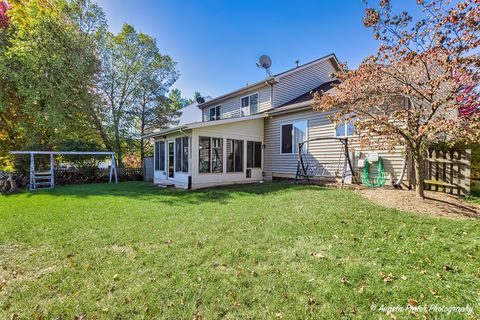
[[231, 107], [302, 81], [319, 125]]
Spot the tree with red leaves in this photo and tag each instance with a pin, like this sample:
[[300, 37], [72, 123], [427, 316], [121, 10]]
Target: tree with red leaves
[[4, 19], [421, 86]]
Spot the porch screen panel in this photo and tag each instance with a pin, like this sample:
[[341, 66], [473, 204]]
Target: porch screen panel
[[254, 154], [157, 154], [230, 155], [257, 160], [178, 154], [234, 155], [160, 156], [204, 154], [238, 155], [185, 154], [217, 155], [181, 154], [250, 154]]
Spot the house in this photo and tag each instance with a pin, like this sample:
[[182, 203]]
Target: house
[[252, 134], [191, 113]]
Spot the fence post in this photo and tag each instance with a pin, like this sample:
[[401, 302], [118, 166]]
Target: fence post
[[467, 157]]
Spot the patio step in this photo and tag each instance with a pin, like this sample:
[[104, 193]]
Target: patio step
[[165, 185]]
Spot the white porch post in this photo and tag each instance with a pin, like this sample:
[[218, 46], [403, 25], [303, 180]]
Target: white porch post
[[114, 168], [111, 170], [32, 170], [52, 172]]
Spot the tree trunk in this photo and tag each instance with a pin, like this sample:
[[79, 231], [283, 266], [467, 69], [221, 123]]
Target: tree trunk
[[142, 132], [118, 146], [418, 160]]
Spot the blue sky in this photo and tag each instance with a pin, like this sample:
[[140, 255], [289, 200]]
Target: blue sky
[[216, 43]]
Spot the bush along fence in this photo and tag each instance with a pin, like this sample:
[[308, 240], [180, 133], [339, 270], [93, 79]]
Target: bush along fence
[[94, 175], [64, 176], [448, 171]]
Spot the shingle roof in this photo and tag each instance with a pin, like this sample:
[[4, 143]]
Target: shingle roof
[[308, 96]]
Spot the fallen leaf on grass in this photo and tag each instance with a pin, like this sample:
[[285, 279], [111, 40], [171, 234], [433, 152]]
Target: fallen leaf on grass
[[318, 255], [387, 278], [412, 302]]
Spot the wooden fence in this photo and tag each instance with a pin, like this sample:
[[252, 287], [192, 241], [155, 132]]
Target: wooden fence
[[448, 171]]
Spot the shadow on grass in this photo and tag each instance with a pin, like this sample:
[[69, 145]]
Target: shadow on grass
[[172, 197]]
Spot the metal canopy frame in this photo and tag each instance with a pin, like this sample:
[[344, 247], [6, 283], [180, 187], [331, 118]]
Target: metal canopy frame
[[51, 177], [348, 163]]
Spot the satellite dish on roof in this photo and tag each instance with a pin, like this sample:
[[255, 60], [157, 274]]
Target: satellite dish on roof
[[265, 62]]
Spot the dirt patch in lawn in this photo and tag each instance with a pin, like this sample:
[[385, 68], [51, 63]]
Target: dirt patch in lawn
[[436, 203]]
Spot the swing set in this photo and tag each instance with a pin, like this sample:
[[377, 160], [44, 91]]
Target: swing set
[[46, 179], [310, 167]]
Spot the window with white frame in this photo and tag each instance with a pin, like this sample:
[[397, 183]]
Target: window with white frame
[[249, 104], [291, 135], [215, 113], [345, 128]]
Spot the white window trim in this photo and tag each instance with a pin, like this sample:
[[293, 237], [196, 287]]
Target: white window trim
[[249, 95], [345, 135], [221, 112], [293, 138]]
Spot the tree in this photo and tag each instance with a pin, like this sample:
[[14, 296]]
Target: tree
[[40, 102], [422, 84], [153, 110], [133, 77]]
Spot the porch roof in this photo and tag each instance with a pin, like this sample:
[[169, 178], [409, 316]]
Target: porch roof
[[203, 124]]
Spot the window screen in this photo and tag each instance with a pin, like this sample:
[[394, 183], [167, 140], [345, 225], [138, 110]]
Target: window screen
[[160, 156], [204, 154], [181, 154], [234, 155], [217, 155], [254, 154]]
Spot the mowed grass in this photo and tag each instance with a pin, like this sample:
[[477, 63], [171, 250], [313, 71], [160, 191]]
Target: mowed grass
[[133, 251], [475, 192]]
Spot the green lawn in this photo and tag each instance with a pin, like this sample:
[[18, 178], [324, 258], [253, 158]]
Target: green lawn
[[475, 192], [132, 251]]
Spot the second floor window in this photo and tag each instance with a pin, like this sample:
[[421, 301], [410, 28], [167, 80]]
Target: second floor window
[[215, 113], [249, 104]]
